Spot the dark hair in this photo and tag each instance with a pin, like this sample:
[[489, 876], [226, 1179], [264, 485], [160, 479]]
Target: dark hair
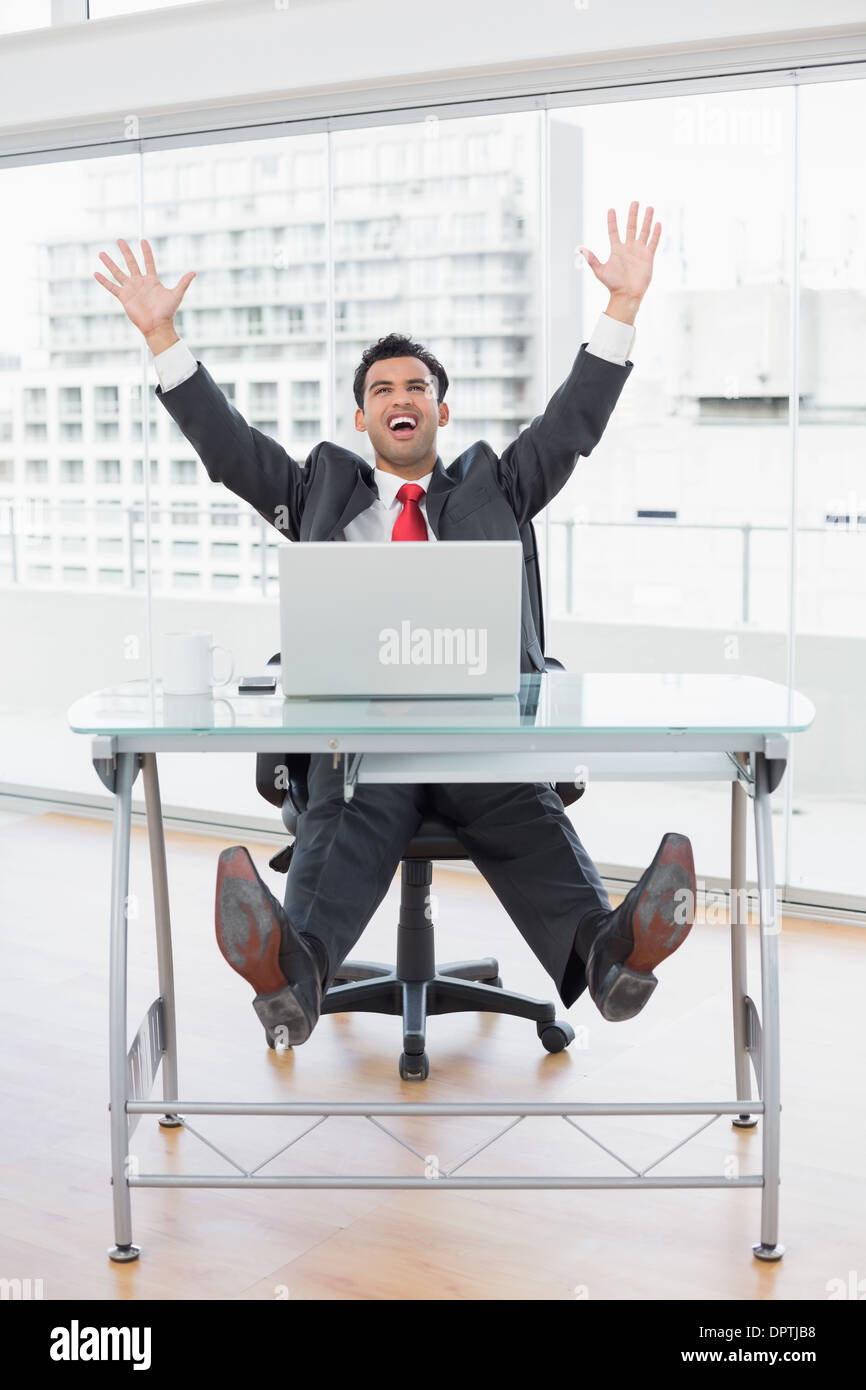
[[396, 345]]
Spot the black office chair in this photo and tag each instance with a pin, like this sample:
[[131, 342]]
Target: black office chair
[[415, 988]]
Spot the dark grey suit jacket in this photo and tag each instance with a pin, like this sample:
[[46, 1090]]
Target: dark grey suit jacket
[[478, 497]]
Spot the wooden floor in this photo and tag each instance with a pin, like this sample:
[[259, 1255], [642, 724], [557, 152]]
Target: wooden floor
[[55, 1199]]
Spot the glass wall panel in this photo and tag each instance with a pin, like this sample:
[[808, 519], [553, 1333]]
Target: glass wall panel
[[250, 219], [669, 546], [437, 236], [72, 598], [829, 805]]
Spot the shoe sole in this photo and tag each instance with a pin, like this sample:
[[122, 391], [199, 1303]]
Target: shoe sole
[[660, 922], [247, 928], [249, 937], [662, 925]]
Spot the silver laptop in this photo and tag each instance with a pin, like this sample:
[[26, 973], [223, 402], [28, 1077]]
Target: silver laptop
[[379, 619]]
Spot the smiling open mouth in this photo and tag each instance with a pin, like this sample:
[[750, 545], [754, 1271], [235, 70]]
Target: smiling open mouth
[[402, 425]]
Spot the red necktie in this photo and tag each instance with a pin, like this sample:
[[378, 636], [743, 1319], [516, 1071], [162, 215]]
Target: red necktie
[[410, 524]]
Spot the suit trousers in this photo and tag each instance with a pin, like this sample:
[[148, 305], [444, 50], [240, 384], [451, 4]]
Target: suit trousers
[[517, 833]]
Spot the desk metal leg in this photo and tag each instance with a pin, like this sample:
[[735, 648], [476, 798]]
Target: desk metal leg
[[739, 980], [159, 873], [133, 1072], [768, 1247], [124, 1249]]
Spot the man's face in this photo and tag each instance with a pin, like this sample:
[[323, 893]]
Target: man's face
[[402, 389]]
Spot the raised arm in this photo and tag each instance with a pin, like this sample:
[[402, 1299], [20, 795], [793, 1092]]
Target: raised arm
[[248, 462], [540, 461], [538, 464]]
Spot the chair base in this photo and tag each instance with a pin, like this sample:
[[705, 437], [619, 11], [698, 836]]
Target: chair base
[[460, 986], [415, 988]]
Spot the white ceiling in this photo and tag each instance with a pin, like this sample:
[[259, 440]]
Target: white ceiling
[[246, 50]]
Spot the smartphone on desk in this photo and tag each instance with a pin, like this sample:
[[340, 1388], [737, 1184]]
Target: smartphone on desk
[[257, 685]]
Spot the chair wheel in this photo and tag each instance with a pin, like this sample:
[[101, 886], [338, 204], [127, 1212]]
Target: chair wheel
[[272, 1042], [555, 1037], [414, 1067]]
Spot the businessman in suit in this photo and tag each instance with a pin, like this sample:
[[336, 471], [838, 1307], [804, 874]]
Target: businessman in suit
[[518, 834]]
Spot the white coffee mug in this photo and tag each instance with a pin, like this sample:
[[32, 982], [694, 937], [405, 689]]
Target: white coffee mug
[[187, 663]]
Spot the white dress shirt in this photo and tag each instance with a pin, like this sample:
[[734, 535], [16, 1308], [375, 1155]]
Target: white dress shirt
[[610, 339], [376, 522]]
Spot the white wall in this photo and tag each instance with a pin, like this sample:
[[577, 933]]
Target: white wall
[[251, 50]]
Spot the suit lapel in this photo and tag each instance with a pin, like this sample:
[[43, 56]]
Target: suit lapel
[[438, 489], [362, 496]]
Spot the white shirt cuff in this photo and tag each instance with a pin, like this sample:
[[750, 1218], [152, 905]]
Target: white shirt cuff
[[174, 365], [611, 340]]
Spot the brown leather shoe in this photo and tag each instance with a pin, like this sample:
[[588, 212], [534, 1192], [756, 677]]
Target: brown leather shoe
[[651, 922], [260, 943]]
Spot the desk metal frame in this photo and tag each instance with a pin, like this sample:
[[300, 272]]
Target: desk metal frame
[[753, 763]]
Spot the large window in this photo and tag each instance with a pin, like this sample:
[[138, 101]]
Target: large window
[[828, 614], [669, 546], [718, 526]]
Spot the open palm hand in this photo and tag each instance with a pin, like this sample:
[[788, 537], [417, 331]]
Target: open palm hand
[[148, 303], [629, 267]]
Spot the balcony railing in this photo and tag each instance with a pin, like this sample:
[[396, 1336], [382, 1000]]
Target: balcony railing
[[747, 531], [29, 525]]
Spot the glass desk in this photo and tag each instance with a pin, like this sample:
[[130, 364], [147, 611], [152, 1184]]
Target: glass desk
[[560, 727]]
